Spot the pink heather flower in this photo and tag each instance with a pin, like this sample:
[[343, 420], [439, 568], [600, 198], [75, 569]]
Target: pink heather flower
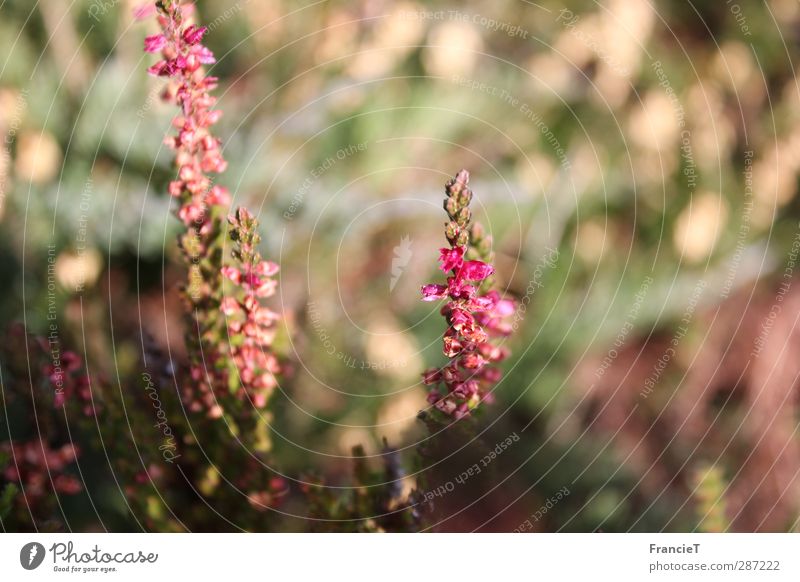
[[70, 361], [192, 213], [260, 286], [197, 152], [229, 306], [40, 469], [476, 270], [232, 273], [154, 43], [473, 317], [460, 317], [266, 269], [432, 376], [451, 259], [452, 346], [194, 34], [254, 361], [67, 484], [458, 288], [218, 196], [433, 292]]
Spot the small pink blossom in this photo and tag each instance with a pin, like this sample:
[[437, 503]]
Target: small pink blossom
[[504, 308], [458, 288], [476, 270], [460, 317], [158, 69], [40, 469], [432, 376], [229, 306], [433, 292], [452, 346], [204, 55], [154, 43], [233, 274], [267, 269], [194, 34], [218, 196], [451, 259]]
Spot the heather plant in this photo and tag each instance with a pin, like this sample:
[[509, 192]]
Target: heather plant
[[163, 449], [210, 436], [41, 391], [228, 336], [229, 332], [201, 432], [474, 312], [183, 387], [251, 325]]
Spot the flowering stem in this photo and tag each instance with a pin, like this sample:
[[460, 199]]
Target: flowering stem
[[229, 337], [473, 314]]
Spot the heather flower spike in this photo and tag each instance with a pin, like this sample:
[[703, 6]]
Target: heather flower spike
[[246, 317], [474, 314], [197, 151], [229, 335]]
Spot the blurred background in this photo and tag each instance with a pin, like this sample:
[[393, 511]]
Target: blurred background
[[636, 163]]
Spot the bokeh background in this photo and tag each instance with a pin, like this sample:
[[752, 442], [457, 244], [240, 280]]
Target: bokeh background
[[635, 161]]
